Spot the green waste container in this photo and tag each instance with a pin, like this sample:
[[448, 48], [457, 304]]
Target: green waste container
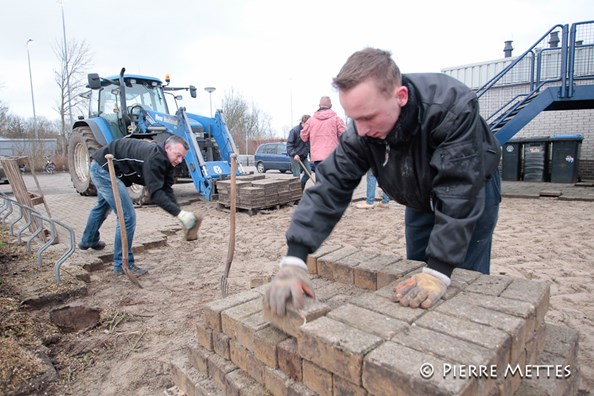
[[536, 154], [565, 158], [511, 161]]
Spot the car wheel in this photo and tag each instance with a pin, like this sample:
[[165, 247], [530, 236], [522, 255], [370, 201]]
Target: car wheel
[[283, 171], [260, 167]]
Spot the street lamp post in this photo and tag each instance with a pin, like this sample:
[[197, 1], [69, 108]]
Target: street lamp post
[[66, 66], [210, 90], [291, 97], [32, 96]]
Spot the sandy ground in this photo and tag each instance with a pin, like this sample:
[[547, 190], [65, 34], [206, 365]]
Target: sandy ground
[[538, 239]]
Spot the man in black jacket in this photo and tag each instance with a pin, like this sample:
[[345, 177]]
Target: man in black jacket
[[425, 141], [136, 161], [299, 150]]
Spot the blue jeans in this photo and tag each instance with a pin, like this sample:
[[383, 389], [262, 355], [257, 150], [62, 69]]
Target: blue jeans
[[419, 225], [314, 165], [371, 182], [296, 169], [106, 203]]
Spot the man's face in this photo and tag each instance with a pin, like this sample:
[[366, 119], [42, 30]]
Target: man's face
[[373, 112], [175, 153]]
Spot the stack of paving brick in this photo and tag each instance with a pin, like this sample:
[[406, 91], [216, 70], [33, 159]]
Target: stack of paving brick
[[256, 192], [224, 189], [251, 197], [483, 338]]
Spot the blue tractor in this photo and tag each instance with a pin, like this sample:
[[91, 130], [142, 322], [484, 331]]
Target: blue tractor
[[133, 106]]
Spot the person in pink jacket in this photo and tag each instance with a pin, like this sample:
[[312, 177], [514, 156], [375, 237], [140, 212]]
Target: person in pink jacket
[[322, 131]]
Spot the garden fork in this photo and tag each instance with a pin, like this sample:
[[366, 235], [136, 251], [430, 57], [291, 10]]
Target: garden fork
[[120, 213], [231, 247]]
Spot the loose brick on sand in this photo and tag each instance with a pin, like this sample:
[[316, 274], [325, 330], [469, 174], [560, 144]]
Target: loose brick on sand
[[344, 267], [212, 310], [393, 369], [327, 262], [295, 318], [397, 270], [312, 258], [336, 347], [368, 321], [365, 274]]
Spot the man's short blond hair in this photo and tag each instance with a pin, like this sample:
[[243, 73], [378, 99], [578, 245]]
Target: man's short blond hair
[[369, 63]]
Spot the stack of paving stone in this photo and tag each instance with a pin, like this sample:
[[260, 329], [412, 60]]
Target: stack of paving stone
[[485, 337], [257, 192]]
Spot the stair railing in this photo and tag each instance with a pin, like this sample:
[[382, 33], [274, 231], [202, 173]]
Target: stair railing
[[575, 44], [547, 65]]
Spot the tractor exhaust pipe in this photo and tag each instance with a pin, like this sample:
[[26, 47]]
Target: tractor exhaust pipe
[[124, 108]]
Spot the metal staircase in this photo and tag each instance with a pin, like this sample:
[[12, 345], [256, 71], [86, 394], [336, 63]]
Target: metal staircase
[[556, 73]]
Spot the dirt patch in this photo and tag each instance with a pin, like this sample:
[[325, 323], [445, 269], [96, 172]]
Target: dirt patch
[[25, 366], [75, 318]]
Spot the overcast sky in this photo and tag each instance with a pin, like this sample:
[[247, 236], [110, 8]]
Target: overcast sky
[[279, 55]]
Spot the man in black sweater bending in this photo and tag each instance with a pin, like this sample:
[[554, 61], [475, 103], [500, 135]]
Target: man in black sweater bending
[[136, 161]]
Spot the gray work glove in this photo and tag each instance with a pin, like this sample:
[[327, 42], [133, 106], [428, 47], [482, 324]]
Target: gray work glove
[[289, 285], [423, 289]]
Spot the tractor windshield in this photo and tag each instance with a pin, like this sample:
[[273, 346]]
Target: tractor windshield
[[149, 96], [145, 94]]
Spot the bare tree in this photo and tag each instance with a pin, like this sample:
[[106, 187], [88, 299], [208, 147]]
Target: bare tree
[[3, 116], [74, 59], [244, 122], [17, 127]]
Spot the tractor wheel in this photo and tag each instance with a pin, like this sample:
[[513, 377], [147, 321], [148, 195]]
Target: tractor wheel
[[139, 194], [80, 148]]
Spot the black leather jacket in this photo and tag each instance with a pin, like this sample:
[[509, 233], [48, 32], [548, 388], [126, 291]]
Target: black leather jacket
[[437, 158], [138, 161], [296, 146]]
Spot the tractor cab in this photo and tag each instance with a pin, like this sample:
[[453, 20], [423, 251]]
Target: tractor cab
[[119, 105], [120, 102]]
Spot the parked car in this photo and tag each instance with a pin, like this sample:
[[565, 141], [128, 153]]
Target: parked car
[[272, 156]]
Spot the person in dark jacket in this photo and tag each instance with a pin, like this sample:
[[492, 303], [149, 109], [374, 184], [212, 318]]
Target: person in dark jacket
[[136, 161], [424, 139], [297, 149]]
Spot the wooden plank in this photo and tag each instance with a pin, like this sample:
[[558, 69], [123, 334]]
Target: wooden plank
[[19, 189]]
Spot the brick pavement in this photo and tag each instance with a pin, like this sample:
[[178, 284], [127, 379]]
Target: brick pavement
[[71, 208], [563, 191]]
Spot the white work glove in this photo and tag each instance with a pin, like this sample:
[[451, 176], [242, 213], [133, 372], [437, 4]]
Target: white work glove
[[423, 289], [290, 285], [187, 219]]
